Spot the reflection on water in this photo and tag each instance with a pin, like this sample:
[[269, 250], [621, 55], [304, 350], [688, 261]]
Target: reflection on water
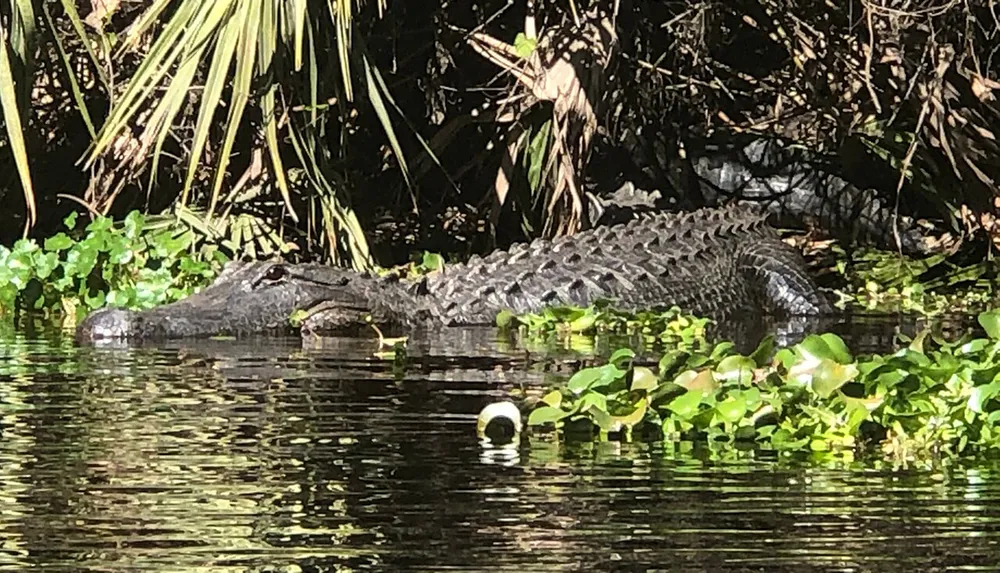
[[265, 455]]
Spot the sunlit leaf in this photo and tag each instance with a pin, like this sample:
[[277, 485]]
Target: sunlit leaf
[[545, 415], [687, 404], [828, 376], [644, 379], [990, 321]]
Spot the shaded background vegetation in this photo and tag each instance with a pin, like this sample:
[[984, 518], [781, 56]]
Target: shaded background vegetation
[[331, 131]]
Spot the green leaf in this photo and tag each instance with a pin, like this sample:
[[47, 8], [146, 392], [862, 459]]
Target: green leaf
[[632, 419], [702, 381], [545, 415], [535, 153], [980, 395], [990, 321], [593, 401], [736, 368], [583, 323], [524, 46], [505, 318], [432, 261], [825, 346], [621, 355], [594, 377], [553, 398], [686, 405], [829, 376], [58, 242], [733, 408], [764, 351], [644, 379]]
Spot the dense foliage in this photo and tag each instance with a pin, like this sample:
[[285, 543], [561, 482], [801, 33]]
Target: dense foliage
[[931, 397], [135, 264]]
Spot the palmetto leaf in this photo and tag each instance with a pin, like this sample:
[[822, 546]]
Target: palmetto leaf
[[18, 41], [236, 48]]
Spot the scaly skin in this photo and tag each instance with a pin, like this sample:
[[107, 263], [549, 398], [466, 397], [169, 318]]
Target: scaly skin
[[713, 262]]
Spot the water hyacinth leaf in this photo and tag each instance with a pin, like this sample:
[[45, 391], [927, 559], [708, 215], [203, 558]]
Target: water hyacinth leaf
[[733, 408], [583, 323], [829, 376], [980, 395], [597, 377], [783, 439], [764, 351], [702, 381], [593, 401], [973, 346], [621, 355], [553, 398], [990, 321], [825, 346], [736, 368], [786, 357], [644, 379], [670, 360], [583, 379], [722, 350], [632, 419], [819, 445], [686, 406], [917, 344], [546, 415], [605, 421], [505, 318]]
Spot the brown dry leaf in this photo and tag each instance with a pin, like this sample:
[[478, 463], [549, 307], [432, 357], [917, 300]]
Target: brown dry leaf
[[100, 9], [982, 88]]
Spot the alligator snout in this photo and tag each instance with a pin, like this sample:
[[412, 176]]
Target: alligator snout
[[105, 324]]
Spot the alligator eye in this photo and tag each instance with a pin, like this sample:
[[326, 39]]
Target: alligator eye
[[275, 273]]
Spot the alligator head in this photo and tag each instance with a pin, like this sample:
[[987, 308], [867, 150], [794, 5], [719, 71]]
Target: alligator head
[[245, 298]]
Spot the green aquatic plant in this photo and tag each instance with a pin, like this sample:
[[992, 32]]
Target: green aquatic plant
[[888, 281], [669, 327], [931, 397], [132, 265]]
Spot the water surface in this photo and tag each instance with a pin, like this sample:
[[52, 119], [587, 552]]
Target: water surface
[[268, 455]]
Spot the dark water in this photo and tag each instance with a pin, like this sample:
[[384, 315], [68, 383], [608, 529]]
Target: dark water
[[269, 455]]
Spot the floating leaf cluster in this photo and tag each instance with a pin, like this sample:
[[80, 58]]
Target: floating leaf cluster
[[931, 397], [665, 327]]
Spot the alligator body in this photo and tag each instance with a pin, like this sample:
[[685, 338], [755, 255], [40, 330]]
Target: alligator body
[[713, 262], [791, 185]]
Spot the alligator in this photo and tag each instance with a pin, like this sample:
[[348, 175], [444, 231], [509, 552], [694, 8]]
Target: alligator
[[792, 185], [714, 262]]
